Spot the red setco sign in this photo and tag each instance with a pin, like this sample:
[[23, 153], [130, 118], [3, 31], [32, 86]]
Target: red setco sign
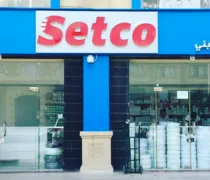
[[98, 34]]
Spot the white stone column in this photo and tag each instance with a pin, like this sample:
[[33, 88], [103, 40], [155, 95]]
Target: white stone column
[[96, 152]]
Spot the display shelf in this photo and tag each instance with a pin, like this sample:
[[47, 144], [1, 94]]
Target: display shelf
[[55, 123], [141, 115], [198, 101], [54, 103], [140, 104], [53, 127]]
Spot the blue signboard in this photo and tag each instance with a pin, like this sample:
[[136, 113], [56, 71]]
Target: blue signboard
[[178, 31]]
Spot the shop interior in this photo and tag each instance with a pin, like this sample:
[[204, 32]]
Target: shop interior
[[170, 114], [31, 114]]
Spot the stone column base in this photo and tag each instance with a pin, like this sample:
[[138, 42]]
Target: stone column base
[[96, 152]]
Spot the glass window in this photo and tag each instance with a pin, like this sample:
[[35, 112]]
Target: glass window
[[170, 107], [32, 107]]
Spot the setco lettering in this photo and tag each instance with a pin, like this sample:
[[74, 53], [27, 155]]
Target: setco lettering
[[77, 32]]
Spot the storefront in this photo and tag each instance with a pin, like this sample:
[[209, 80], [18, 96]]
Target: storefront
[[37, 129], [67, 83], [165, 97], [161, 104]]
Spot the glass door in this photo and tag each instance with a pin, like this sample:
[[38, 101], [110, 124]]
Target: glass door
[[200, 121], [172, 109], [19, 147], [31, 114], [178, 126]]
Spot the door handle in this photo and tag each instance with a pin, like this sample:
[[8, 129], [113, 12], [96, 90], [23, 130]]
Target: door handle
[[5, 129]]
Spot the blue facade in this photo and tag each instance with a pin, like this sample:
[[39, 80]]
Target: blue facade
[[178, 32], [136, 4]]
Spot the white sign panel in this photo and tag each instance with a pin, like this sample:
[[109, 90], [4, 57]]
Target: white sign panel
[[158, 89], [182, 94], [96, 32]]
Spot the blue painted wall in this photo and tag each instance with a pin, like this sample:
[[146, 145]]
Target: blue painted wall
[[96, 94], [136, 4], [17, 32], [55, 3], [178, 31]]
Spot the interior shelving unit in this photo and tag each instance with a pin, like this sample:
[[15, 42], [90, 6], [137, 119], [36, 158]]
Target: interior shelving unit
[[144, 106], [54, 120]]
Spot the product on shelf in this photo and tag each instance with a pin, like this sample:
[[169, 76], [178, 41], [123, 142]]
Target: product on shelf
[[54, 117], [169, 147], [145, 158], [188, 151], [173, 145], [54, 107], [203, 147], [54, 149], [157, 146]]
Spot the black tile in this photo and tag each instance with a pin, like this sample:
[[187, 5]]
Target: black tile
[[118, 80], [117, 125], [119, 71], [119, 135], [72, 98], [74, 144], [72, 116], [119, 108], [74, 107], [71, 135], [73, 63], [118, 163], [72, 164], [118, 144], [117, 63], [72, 153], [118, 153], [118, 117], [74, 125], [119, 98], [118, 89], [69, 145], [76, 81], [74, 71], [74, 89]]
